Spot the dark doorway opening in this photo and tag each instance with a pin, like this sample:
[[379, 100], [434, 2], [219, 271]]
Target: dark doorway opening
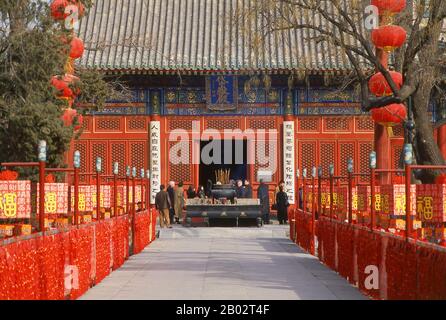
[[238, 163]]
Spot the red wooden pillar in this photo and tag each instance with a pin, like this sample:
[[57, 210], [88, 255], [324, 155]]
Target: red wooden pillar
[[441, 140]]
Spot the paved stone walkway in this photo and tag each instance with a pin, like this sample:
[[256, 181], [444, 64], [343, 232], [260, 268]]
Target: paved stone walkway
[[223, 263]]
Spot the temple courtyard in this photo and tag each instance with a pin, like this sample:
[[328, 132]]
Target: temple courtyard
[[223, 264]]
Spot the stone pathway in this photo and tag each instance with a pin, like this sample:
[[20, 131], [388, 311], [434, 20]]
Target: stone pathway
[[223, 263]]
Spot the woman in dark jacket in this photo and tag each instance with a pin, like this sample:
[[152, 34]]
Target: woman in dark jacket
[[191, 193], [282, 205]]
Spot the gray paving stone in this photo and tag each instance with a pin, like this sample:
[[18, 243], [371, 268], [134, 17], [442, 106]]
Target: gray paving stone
[[223, 264]]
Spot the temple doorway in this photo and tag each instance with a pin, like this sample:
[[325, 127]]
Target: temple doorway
[[223, 155]]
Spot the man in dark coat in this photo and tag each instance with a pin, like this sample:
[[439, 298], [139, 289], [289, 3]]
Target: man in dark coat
[[248, 190], [239, 190], [162, 204], [171, 192], [263, 195]]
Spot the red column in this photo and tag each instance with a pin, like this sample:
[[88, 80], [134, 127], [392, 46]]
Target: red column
[[441, 140]]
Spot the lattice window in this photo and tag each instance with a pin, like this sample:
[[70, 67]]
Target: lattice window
[[99, 149], [396, 153], [108, 124], [307, 154], [365, 124], [221, 124], [264, 152], [309, 124], [82, 148], [327, 156], [181, 172], [138, 155], [137, 124], [364, 153], [337, 124], [262, 123], [86, 124], [398, 131], [118, 155], [174, 123], [346, 151]]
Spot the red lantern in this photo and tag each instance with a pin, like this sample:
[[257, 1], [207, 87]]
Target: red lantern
[[62, 85], [390, 115], [389, 7], [389, 37], [77, 48], [69, 116], [8, 175], [378, 84], [50, 178], [58, 9]]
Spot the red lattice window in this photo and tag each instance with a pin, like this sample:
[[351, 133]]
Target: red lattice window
[[346, 151], [108, 124], [138, 155], [396, 153], [365, 148], [262, 123], [327, 156], [82, 148], [86, 123], [185, 124], [307, 153], [221, 124], [181, 172], [118, 155], [99, 149], [365, 124], [398, 131], [137, 124], [266, 152], [337, 124], [309, 124]]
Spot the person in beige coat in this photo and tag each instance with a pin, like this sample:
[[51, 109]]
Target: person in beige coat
[[179, 202]]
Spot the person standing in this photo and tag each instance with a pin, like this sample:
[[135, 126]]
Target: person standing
[[248, 190], [209, 186], [240, 190], [191, 193], [201, 194], [162, 204], [171, 192], [282, 205], [263, 195], [179, 202]]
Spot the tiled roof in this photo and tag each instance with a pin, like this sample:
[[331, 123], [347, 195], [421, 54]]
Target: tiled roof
[[194, 35]]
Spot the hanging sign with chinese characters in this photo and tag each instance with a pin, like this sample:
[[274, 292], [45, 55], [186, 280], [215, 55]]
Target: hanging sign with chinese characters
[[56, 198], [288, 159], [104, 197], [155, 159], [15, 199], [85, 202]]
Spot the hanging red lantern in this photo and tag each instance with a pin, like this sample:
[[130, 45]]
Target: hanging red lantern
[[69, 116], [58, 9], [62, 85], [378, 84], [390, 115], [76, 48], [389, 7], [441, 179], [389, 37]]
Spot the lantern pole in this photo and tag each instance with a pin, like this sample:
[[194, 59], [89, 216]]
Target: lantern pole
[[115, 188], [408, 159], [313, 211], [331, 173], [42, 157], [372, 164], [148, 189], [77, 165], [304, 185], [98, 187], [127, 189], [319, 192], [142, 173], [350, 189], [133, 208]]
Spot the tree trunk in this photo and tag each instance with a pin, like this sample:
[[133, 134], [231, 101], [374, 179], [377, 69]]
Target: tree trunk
[[426, 148]]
